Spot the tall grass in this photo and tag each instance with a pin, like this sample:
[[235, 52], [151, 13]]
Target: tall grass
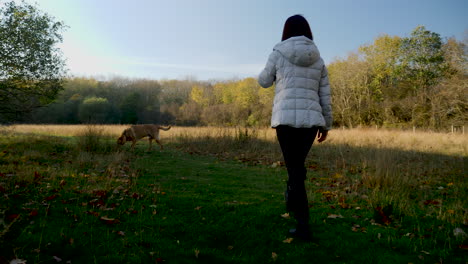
[[94, 139]]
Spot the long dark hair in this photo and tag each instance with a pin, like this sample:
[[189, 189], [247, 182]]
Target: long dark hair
[[296, 25]]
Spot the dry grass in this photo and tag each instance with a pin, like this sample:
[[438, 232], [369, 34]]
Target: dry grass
[[64, 130], [427, 142]]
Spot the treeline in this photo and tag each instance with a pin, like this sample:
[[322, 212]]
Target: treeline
[[180, 102], [420, 80]]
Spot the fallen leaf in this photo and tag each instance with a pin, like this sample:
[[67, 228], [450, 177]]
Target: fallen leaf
[[274, 256], [198, 208], [50, 198], [382, 214], [333, 216], [96, 214], [33, 213], [62, 183], [18, 261], [458, 232], [109, 221], [12, 217], [197, 252], [288, 240], [338, 176], [431, 202], [286, 216]]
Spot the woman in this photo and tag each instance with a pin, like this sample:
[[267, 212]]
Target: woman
[[301, 109]]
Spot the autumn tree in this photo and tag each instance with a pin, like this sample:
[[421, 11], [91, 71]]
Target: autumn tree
[[31, 66]]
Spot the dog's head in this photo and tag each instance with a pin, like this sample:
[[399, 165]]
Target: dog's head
[[121, 140], [124, 138]]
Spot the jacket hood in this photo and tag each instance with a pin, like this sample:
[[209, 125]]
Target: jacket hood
[[299, 50]]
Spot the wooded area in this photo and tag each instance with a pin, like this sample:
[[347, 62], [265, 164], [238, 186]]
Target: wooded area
[[420, 80]]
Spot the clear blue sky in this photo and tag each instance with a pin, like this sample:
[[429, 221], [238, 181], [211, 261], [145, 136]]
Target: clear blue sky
[[224, 39]]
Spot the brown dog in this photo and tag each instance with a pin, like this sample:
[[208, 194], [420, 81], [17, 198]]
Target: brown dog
[[137, 132]]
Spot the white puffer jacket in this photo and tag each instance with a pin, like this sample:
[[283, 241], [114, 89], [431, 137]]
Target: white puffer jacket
[[302, 92]]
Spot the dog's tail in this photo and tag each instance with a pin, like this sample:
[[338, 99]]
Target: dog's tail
[[165, 128]]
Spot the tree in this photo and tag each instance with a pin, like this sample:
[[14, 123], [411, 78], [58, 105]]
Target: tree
[[422, 66], [94, 110], [351, 98], [129, 108], [31, 66]]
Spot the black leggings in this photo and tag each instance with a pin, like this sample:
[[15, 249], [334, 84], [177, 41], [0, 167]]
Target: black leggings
[[295, 144]]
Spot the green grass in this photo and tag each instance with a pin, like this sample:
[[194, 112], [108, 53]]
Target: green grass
[[59, 201]]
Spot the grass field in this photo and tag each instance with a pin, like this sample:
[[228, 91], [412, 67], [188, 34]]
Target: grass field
[[214, 195]]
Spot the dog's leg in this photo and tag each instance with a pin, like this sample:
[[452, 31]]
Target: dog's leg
[[159, 143], [150, 143]]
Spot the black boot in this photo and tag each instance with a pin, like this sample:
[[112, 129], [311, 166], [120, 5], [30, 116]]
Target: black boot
[[302, 230], [296, 202]]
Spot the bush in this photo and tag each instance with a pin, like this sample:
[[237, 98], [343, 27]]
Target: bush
[[93, 139]]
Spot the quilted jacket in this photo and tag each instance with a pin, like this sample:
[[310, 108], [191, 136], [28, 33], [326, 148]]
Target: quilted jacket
[[302, 91]]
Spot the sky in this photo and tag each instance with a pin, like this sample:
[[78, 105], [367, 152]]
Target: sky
[[227, 39]]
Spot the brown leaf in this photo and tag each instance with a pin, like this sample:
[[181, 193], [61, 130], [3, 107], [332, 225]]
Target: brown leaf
[[431, 202], [37, 176], [100, 193], [62, 183], [288, 240], [382, 215], [33, 213], [109, 221], [286, 216], [96, 214], [12, 217], [274, 256]]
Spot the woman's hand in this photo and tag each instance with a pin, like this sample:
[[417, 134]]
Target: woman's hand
[[322, 135]]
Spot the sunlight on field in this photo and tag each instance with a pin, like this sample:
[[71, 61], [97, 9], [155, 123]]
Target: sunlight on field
[[428, 142]]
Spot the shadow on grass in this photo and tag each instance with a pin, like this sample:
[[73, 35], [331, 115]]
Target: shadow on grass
[[175, 207]]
